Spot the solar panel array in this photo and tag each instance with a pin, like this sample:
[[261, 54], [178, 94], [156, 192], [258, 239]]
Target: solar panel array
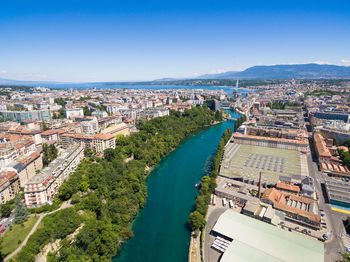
[[282, 165], [260, 161]]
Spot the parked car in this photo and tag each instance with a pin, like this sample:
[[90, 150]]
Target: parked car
[[2, 230], [304, 231]]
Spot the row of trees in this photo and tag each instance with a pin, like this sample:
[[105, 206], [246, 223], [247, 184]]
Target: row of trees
[[113, 190], [239, 122], [196, 220]]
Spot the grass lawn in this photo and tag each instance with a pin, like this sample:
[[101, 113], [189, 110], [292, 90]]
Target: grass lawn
[[18, 233]]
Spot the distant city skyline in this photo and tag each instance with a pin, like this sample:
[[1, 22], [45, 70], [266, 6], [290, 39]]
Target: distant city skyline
[[86, 41]]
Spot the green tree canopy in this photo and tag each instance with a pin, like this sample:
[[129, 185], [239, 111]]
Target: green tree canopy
[[20, 212]]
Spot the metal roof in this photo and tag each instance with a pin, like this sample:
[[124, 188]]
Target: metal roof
[[254, 240]]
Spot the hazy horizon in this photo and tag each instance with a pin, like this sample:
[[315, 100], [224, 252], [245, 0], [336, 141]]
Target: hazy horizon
[[86, 41]]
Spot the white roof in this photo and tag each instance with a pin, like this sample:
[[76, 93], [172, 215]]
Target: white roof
[[264, 242]]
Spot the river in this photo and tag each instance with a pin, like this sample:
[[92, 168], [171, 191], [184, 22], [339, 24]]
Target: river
[[160, 228]]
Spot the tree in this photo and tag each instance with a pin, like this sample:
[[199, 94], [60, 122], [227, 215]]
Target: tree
[[52, 152], [75, 198], [88, 152], [347, 143], [346, 257], [87, 111], [21, 212], [49, 153], [5, 210], [196, 221], [65, 191], [44, 126], [218, 115], [110, 154]]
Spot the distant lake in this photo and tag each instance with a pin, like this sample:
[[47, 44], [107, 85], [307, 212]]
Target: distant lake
[[227, 89]]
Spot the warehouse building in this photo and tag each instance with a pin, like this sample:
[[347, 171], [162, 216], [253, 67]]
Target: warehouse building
[[338, 192], [248, 239]]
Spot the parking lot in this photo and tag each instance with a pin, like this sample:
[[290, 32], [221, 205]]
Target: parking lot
[[5, 224]]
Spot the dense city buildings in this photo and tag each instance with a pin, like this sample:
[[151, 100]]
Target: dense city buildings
[[288, 153]]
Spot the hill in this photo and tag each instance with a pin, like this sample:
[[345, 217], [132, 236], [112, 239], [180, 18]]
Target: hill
[[297, 71]]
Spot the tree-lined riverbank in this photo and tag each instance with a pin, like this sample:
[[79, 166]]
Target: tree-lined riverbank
[[161, 231], [109, 192]]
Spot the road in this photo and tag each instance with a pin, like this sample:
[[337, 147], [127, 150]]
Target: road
[[6, 223], [334, 247], [214, 213]]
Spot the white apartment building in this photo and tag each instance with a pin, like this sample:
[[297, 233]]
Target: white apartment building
[[90, 127], [74, 112]]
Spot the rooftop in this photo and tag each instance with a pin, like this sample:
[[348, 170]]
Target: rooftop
[[254, 240]]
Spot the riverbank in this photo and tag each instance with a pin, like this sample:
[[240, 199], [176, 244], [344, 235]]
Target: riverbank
[[161, 231], [113, 192]]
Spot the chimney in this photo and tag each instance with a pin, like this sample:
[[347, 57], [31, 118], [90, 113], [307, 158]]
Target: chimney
[[259, 193]]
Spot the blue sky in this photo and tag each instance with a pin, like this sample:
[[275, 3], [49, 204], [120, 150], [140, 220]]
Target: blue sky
[[149, 39]]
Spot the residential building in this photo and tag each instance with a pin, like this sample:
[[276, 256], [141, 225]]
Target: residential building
[[14, 146], [9, 186], [42, 188], [27, 116], [74, 112]]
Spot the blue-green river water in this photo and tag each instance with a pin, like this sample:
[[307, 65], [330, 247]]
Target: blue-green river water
[[160, 229]]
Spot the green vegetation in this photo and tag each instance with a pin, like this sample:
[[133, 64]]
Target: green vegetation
[[87, 111], [60, 101], [345, 157], [5, 209], [239, 122], [15, 108], [44, 126], [55, 226], [16, 234], [49, 153], [20, 212], [281, 105], [323, 92], [196, 220], [112, 190], [346, 257]]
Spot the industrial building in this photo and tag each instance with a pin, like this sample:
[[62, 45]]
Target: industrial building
[[298, 209], [272, 142], [249, 239], [338, 192]]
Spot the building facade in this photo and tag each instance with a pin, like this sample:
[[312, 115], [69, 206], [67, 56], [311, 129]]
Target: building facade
[[42, 188]]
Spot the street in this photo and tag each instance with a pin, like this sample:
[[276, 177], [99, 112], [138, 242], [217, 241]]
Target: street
[[334, 247]]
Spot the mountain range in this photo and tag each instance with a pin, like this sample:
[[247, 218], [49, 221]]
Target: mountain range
[[296, 71]]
